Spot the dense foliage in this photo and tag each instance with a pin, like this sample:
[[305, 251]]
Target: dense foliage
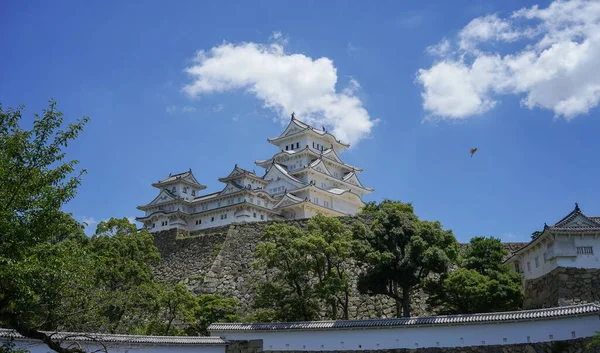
[[482, 283], [400, 252], [312, 270], [53, 277]]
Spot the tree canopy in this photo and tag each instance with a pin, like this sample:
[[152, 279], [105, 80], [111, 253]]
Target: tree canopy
[[54, 278], [482, 283], [306, 269], [400, 252]]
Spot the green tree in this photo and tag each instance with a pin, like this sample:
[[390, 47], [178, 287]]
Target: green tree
[[400, 252], [595, 342], [306, 269], [35, 259], [122, 273], [177, 306], [213, 308], [289, 292], [482, 283], [329, 252]]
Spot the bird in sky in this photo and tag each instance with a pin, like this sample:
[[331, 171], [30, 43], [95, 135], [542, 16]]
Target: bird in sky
[[473, 150]]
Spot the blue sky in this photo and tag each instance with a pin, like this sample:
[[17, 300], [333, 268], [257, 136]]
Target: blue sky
[[414, 85]]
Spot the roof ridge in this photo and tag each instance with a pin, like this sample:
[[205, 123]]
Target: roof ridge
[[534, 314]]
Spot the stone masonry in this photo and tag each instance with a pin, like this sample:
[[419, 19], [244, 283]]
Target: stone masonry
[[562, 286], [219, 260]]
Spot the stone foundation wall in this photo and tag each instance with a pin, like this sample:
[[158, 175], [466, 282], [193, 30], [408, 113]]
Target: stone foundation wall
[[570, 346], [219, 260], [563, 286]]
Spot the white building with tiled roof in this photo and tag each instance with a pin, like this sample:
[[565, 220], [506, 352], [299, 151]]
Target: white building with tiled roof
[[574, 242], [304, 178]]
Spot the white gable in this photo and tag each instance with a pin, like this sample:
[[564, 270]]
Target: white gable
[[580, 221], [163, 196], [228, 189], [320, 166]]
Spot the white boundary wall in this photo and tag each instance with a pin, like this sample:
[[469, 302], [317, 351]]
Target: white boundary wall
[[454, 335], [36, 347]]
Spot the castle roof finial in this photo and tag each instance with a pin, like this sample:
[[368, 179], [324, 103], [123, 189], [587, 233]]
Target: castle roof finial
[[576, 206], [293, 115]]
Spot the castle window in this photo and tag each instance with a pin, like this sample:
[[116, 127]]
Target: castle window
[[297, 144], [258, 202], [313, 144], [286, 147], [517, 269], [219, 204], [212, 219], [585, 250], [537, 262], [153, 225], [545, 258], [174, 190], [185, 190], [262, 217], [193, 192], [254, 214], [249, 186], [528, 266], [221, 216]]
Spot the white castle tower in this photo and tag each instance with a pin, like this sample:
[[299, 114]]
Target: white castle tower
[[304, 178]]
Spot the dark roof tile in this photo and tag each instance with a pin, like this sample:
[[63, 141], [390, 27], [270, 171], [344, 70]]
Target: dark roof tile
[[525, 315]]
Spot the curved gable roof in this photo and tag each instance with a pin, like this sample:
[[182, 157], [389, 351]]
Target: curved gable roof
[[277, 168], [185, 177], [296, 126]]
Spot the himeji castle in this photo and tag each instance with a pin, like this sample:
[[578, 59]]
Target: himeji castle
[[306, 177]]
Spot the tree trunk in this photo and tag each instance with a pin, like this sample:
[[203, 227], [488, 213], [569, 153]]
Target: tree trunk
[[333, 309], [397, 299], [346, 305], [406, 301]]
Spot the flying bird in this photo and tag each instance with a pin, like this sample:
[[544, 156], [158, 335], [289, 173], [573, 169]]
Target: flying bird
[[473, 150]]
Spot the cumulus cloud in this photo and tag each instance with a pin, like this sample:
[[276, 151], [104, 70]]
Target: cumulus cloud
[[285, 83], [551, 62]]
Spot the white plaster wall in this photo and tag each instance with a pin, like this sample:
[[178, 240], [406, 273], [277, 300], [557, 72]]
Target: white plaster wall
[[543, 268], [584, 260], [282, 183], [561, 253], [342, 205], [416, 337], [35, 347]]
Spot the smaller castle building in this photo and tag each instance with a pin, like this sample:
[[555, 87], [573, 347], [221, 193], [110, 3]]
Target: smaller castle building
[[572, 242], [305, 177]]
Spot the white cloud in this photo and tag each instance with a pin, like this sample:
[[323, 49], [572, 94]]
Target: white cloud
[[440, 49], [132, 220], [188, 109], [508, 236], [173, 109], [486, 28], [217, 108], [89, 220], [284, 82], [552, 63]]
